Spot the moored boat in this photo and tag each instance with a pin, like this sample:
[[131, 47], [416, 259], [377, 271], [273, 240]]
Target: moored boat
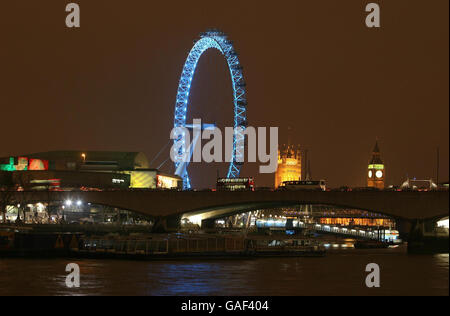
[[370, 244]]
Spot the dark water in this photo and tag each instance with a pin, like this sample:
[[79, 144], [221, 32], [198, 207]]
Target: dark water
[[336, 274]]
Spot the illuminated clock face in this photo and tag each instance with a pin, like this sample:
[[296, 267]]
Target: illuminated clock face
[[379, 174], [370, 174]]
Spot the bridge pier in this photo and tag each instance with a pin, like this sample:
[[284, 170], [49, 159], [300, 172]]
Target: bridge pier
[[166, 224], [404, 228], [208, 223], [424, 238]]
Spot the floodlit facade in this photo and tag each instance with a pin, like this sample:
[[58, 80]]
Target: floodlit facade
[[72, 170], [376, 170], [289, 165]]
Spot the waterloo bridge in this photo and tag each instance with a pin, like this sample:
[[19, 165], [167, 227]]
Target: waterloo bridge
[[167, 207]]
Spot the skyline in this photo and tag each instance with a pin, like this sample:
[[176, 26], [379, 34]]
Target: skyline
[[111, 85]]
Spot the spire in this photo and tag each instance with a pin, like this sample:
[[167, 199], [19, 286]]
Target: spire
[[376, 155], [308, 171], [376, 149], [307, 167], [289, 136]]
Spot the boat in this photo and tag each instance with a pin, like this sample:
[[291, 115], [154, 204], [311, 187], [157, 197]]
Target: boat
[[284, 247], [371, 244], [154, 246], [188, 246]]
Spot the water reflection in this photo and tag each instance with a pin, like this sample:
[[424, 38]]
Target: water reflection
[[335, 274]]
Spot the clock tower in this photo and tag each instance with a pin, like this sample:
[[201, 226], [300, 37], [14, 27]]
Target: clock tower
[[375, 171]]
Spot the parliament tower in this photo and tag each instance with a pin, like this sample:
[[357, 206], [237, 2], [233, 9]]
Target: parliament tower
[[289, 165]]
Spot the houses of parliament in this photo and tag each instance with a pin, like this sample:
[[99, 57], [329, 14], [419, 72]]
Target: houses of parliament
[[290, 163]]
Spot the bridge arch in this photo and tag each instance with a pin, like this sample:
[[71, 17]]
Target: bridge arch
[[238, 208]]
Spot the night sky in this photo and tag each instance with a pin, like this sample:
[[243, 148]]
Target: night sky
[[310, 65]]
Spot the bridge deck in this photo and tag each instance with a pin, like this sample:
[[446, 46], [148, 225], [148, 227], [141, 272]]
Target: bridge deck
[[406, 205]]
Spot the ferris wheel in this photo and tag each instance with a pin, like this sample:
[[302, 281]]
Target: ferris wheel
[[217, 40]]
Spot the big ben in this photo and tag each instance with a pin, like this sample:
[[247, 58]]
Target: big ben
[[376, 172]]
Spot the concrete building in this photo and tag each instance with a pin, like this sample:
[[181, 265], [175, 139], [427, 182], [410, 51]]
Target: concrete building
[[88, 170]]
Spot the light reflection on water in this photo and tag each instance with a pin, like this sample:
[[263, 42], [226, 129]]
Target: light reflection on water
[[336, 274], [199, 278]]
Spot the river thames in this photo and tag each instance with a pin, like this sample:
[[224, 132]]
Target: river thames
[[341, 273]]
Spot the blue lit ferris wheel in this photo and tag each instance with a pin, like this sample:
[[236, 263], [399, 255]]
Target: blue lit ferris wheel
[[218, 40]]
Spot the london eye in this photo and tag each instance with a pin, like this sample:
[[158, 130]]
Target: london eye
[[207, 40]]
